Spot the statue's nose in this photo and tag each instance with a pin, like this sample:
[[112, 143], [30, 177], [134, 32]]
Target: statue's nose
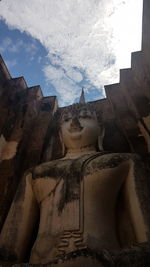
[[75, 122]]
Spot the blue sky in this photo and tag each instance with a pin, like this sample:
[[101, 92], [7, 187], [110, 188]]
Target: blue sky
[[63, 45], [24, 56]]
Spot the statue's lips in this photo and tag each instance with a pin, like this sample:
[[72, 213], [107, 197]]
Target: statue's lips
[[75, 129]]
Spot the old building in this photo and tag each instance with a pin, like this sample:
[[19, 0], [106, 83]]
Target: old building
[[27, 136]]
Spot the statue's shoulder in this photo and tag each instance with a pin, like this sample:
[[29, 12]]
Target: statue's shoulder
[[51, 169], [110, 160]]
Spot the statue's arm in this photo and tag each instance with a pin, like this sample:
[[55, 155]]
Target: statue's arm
[[19, 224], [135, 194]]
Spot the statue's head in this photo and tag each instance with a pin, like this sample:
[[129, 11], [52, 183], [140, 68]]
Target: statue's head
[[80, 128]]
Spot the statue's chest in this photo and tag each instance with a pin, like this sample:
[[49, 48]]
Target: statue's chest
[[60, 178], [64, 180]]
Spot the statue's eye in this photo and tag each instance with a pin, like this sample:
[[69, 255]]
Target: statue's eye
[[85, 115], [66, 119]]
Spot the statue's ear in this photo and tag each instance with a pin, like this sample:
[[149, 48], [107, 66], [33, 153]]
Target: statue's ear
[[62, 143], [101, 137]]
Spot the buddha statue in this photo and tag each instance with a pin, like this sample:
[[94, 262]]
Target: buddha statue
[[85, 200]]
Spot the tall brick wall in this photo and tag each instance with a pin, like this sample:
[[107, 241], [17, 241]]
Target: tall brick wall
[[25, 117]]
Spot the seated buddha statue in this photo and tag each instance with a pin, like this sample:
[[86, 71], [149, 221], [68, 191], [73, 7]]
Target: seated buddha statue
[[85, 200]]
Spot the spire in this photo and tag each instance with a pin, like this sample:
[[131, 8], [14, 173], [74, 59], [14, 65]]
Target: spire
[[82, 98]]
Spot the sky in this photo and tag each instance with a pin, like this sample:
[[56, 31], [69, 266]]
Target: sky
[[64, 45]]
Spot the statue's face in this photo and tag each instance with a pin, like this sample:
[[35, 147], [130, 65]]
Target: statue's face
[[79, 130]]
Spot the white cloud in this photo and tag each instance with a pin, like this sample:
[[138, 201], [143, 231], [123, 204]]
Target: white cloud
[[94, 36], [66, 88], [74, 75], [52, 73]]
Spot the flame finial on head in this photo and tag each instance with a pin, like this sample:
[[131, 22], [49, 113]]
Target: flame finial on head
[[82, 97]]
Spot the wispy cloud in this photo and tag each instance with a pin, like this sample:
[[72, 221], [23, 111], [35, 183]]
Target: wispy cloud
[[5, 45], [8, 45], [31, 48], [11, 63], [90, 37]]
